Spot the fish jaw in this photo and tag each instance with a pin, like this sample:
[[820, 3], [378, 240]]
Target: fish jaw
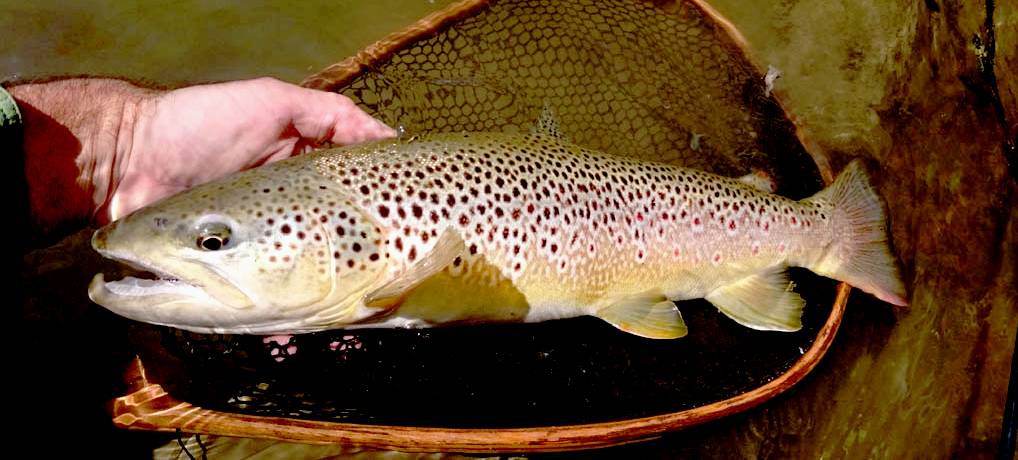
[[170, 300], [171, 303], [155, 301]]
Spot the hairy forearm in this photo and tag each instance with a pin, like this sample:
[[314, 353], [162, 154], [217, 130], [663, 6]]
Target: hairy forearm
[[77, 135]]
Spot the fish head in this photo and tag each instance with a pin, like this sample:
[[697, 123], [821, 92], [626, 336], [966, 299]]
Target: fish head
[[270, 251]]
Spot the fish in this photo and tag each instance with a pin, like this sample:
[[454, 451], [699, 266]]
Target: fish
[[468, 228]]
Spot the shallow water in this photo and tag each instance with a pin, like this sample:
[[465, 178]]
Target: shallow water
[[173, 43]]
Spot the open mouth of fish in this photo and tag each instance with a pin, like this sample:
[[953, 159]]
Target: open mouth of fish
[[143, 288], [143, 285], [110, 294], [140, 280]]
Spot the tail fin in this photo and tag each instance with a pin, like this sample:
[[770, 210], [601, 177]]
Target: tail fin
[[860, 254]]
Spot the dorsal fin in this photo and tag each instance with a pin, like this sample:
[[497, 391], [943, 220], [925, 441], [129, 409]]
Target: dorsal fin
[[547, 124]]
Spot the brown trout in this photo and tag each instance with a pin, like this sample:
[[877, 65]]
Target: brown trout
[[466, 228]]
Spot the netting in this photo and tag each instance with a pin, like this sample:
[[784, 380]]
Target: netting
[[657, 80], [494, 376]]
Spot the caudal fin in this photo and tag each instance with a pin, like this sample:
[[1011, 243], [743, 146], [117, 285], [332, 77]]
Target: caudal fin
[[860, 254]]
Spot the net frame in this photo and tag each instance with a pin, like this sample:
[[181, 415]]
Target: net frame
[[148, 406]]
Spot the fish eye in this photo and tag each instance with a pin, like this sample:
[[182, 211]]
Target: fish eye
[[211, 242], [213, 237]]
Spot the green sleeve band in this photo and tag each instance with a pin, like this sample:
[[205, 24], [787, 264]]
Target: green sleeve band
[[10, 117]]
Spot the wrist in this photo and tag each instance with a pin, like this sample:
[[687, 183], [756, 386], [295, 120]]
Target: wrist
[[78, 135], [135, 110]]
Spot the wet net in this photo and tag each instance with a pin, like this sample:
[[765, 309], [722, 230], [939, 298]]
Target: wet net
[[662, 80]]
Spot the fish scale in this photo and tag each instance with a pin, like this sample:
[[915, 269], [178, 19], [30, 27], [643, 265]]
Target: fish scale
[[544, 209], [478, 227]]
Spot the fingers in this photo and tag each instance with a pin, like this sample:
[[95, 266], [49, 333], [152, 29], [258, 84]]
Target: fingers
[[322, 116]]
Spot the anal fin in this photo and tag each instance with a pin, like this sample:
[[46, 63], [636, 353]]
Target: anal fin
[[650, 316], [763, 301]]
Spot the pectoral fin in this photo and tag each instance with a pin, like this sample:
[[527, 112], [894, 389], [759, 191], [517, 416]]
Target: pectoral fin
[[650, 316], [445, 251], [763, 301]]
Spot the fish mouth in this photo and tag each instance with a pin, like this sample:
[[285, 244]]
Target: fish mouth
[[165, 302], [131, 286], [151, 295], [181, 305]]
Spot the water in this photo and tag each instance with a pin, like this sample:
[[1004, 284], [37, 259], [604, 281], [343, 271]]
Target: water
[[179, 42]]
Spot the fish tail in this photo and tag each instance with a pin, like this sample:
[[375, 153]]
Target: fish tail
[[861, 253]]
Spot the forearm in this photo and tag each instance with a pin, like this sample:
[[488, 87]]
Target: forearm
[[77, 136]]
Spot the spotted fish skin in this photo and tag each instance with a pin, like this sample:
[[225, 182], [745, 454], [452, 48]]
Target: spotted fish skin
[[395, 234]]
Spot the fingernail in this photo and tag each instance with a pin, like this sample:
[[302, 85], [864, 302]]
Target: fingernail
[[389, 132]]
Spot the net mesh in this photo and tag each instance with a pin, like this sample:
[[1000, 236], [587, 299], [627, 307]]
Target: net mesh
[[661, 80]]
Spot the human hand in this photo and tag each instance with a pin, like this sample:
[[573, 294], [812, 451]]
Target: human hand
[[193, 135]]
